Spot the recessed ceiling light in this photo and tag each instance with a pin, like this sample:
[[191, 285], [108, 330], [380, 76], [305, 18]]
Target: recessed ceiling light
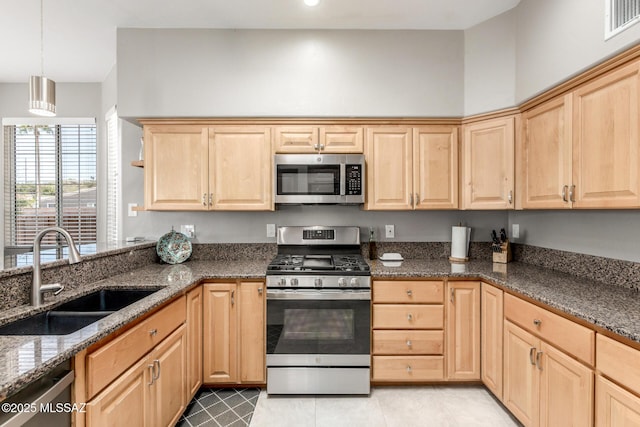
[[311, 2]]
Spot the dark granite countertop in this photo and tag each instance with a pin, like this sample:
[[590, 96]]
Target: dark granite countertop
[[26, 358]]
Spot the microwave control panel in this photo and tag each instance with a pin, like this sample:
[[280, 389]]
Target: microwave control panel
[[354, 180]]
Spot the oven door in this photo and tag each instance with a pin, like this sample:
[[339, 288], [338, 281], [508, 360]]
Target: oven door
[[318, 327]]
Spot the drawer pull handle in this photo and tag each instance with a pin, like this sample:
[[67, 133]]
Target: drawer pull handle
[[151, 373], [538, 361], [156, 361], [409, 292], [532, 351], [153, 332], [537, 322], [259, 291], [409, 369], [409, 317], [409, 343]]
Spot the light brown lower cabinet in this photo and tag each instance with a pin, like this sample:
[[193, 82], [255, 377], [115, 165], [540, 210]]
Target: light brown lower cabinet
[[463, 330], [491, 337], [615, 406], [194, 341], [234, 332], [542, 385], [151, 392]]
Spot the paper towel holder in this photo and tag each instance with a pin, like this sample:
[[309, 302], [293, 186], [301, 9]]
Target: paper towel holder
[[459, 259]]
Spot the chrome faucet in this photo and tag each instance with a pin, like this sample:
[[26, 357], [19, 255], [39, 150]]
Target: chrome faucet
[[37, 288]]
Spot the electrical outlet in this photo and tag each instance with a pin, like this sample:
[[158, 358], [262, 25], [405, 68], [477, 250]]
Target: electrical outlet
[[188, 230], [389, 231], [271, 230], [130, 210], [515, 231]]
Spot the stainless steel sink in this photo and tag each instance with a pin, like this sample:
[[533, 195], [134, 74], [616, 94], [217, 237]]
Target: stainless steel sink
[[76, 314]]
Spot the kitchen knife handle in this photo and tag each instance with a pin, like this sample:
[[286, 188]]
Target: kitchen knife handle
[[532, 351], [572, 193], [564, 193]]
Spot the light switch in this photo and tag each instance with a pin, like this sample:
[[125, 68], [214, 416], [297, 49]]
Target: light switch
[[389, 231], [271, 230], [188, 230], [515, 231]]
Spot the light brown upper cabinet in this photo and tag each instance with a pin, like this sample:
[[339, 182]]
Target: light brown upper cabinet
[[546, 155], [606, 132], [488, 164], [325, 139], [190, 167], [412, 168]]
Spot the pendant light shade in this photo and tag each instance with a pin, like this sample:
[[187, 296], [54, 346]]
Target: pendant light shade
[[42, 96], [42, 91]]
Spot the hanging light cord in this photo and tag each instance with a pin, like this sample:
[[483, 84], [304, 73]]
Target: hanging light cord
[[41, 38]]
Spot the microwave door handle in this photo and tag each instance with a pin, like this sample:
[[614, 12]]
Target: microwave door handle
[[343, 179]]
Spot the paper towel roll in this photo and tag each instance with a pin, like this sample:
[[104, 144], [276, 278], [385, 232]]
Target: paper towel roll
[[460, 242]]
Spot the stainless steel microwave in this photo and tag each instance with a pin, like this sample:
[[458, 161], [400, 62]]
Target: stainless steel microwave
[[319, 178]]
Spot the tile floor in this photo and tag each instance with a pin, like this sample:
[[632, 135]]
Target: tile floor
[[420, 406]]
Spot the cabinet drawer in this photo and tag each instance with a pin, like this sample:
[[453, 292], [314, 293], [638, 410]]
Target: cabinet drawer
[[401, 368], [408, 342], [619, 362], [565, 334], [408, 316], [112, 359], [408, 292]]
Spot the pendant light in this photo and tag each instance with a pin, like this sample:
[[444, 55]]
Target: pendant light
[[42, 91]]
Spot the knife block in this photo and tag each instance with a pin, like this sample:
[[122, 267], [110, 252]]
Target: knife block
[[504, 256]]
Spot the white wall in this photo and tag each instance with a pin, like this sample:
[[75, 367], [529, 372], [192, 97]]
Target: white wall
[[557, 39], [490, 65], [187, 73]]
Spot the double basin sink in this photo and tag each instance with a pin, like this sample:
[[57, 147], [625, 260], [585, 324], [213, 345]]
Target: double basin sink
[[76, 314]]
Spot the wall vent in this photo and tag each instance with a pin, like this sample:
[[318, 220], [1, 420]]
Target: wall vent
[[620, 15]]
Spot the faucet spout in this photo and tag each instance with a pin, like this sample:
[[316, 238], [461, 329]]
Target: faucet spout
[[37, 289]]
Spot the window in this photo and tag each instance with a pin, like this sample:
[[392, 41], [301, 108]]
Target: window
[[50, 180], [620, 15]]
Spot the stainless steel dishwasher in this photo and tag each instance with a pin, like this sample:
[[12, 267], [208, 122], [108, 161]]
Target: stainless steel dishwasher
[[45, 402]]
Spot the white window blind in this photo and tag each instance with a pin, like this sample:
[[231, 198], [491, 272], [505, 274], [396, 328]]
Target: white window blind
[[113, 176], [50, 180], [620, 15]]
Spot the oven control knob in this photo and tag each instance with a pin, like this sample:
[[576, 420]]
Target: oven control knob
[[282, 282], [342, 282], [354, 282], [294, 282], [318, 283]]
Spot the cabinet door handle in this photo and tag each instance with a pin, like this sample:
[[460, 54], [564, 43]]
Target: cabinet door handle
[[409, 292], [452, 296], [409, 343], [510, 197], [233, 299], [417, 199], [259, 291], [153, 332], [409, 317], [537, 322], [411, 199], [316, 147], [322, 146], [156, 361], [204, 199], [572, 193], [151, 373], [564, 193], [538, 360], [210, 199], [532, 351]]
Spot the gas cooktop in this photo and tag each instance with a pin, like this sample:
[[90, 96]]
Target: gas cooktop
[[325, 264]]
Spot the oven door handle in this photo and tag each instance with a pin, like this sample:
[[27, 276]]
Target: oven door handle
[[343, 179], [318, 295]]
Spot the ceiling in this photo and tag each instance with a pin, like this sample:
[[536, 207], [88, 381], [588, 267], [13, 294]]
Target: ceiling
[[80, 35]]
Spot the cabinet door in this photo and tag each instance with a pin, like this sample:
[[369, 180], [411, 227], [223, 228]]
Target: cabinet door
[[615, 406], [491, 322], [389, 169], [125, 401], [252, 332], [194, 341], [240, 168], [546, 155], [566, 390], [176, 168], [169, 380], [463, 331], [521, 378], [435, 167], [342, 139], [219, 344], [488, 164], [605, 141], [296, 139]]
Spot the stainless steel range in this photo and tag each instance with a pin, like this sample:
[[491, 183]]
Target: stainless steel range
[[318, 313]]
